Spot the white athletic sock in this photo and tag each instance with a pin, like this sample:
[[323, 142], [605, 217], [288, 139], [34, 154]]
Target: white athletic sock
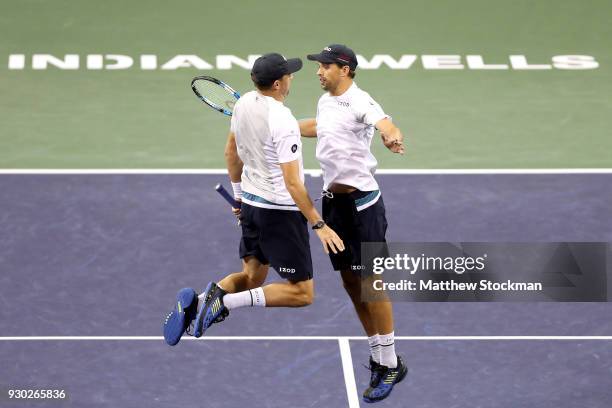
[[253, 297], [374, 342], [388, 357]]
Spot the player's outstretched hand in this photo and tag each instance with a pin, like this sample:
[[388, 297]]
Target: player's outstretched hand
[[395, 144], [330, 240]]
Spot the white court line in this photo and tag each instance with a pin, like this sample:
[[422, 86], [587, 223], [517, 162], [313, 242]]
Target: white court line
[[349, 373], [311, 172], [343, 341], [306, 338]]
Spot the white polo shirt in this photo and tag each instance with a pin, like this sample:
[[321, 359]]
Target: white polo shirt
[[345, 126], [267, 134]]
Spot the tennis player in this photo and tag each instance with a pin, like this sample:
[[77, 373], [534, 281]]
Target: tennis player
[[352, 203], [264, 160]]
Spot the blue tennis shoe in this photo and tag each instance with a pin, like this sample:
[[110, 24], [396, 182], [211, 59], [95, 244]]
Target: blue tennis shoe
[[178, 320], [388, 378], [376, 371], [211, 310]]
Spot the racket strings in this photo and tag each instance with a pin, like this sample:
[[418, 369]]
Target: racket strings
[[215, 94]]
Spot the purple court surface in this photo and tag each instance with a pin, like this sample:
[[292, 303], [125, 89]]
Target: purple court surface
[[103, 255]]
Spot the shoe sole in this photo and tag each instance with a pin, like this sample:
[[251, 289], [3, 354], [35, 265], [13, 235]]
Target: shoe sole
[[175, 323]]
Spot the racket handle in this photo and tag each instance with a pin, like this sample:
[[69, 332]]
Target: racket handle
[[221, 190]]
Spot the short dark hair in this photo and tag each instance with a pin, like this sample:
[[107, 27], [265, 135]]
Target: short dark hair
[[262, 85], [351, 73]]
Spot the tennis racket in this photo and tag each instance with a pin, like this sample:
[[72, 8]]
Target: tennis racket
[[221, 190], [215, 93]]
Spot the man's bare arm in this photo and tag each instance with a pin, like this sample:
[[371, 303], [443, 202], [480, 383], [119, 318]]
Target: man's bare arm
[[234, 169], [391, 135], [295, 186], [232, 160], [308, 127]]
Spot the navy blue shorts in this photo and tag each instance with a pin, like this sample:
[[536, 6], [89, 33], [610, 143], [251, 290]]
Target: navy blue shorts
[[279, 238], [353, 226]]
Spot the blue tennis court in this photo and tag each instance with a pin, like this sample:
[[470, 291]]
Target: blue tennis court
[[95, 260]]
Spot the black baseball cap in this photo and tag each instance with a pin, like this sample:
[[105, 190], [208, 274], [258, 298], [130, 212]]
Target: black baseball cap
[[270, 67], [336, 53]]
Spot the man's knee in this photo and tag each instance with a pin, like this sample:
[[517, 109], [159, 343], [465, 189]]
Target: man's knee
[[305, 299], [254, 271], [351, 282]]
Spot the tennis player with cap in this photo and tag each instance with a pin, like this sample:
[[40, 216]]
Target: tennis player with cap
[[352, 203], [264, 160]]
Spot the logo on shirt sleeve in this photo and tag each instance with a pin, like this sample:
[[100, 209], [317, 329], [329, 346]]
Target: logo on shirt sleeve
[[294, 148]]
